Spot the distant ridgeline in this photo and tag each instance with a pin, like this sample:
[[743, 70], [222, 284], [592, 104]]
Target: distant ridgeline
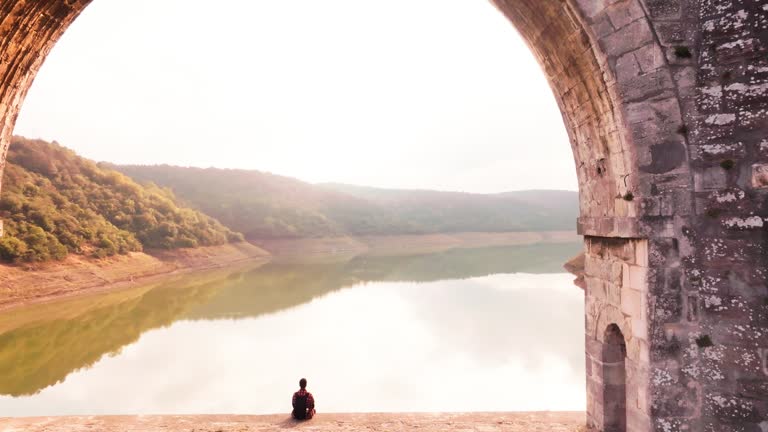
[[262, 205], [54, 203]]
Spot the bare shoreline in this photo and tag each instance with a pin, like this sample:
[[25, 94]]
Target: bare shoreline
[[82, 277], [544, 421]]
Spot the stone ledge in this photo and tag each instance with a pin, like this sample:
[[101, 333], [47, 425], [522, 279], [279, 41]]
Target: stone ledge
[[380, 422], [619, 227]]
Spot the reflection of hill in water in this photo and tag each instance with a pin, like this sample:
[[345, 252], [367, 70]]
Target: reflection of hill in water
[[466, 263], [281, 285], [38, 355], [41, 352]]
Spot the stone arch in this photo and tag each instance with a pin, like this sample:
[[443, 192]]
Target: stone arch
[[666, 106], [577, 44], [581, 46]]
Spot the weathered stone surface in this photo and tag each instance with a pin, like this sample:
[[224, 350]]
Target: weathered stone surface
[[760, 176], [391, 422], [666, 106]]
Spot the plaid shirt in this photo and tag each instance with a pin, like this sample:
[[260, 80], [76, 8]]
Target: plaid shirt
[[310, 399]]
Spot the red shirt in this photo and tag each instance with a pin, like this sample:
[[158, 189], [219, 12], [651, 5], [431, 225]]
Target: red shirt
[[310, 401]]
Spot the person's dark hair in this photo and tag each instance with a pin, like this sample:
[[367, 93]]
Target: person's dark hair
[[303, 383]]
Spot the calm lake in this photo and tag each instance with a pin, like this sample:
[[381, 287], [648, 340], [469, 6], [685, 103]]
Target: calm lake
[[492, 329]]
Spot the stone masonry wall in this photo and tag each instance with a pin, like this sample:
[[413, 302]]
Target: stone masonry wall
[[615, 273], [709, 319]]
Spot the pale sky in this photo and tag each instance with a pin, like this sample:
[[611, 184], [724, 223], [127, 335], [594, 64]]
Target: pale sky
[[434, 94]]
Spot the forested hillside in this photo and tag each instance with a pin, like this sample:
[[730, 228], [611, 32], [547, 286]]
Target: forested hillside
[[435, 211], [263, 205], [54, 203]]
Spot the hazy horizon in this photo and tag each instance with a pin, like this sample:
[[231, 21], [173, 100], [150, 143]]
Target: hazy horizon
[[357, 93], [347, 184]]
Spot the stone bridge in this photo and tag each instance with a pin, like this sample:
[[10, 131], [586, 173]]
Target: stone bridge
[[666, 105]]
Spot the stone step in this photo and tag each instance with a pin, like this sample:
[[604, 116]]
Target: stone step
[[384, 422]]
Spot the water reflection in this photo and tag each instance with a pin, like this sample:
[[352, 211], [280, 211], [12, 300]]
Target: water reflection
[[474, 330], [41, 352], [287, 283]]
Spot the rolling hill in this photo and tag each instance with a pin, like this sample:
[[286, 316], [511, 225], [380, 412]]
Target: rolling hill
[[264, 205]]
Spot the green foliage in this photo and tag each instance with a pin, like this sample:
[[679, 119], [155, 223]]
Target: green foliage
[[683, 52], [704, 341], [54, 203], [727, 164]]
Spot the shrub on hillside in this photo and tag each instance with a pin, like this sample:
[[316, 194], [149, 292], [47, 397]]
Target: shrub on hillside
[[54, 203]]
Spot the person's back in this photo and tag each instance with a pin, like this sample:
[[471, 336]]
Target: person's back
[[303, 403]]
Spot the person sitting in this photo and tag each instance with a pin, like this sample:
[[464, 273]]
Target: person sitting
[[303, 402]]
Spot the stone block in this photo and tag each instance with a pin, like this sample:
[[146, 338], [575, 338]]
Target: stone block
[[724, 307], [730, 408], [649, 57], [593, 8], [670, 424], [614, 294], [639, 328], [670, 32], [627, 38], [635, 277], [738, 50], [667, 308], [712, 424], [716, 152], [692, 308], [621, 207], [710, 179], [666, 9], [631, 302], [760, 176], [596, 288], [602, 26], [753, 388], [622, 14], [595, 268], [625, 276], [646, 85], [616, 273], [637, 420], [650, 206], [752, 118], [737, 334], [638, 278], [672, 280], [675, 401], [627, 67], [641, 396]]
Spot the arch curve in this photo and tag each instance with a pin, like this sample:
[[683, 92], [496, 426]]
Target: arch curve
[[564, 35]]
